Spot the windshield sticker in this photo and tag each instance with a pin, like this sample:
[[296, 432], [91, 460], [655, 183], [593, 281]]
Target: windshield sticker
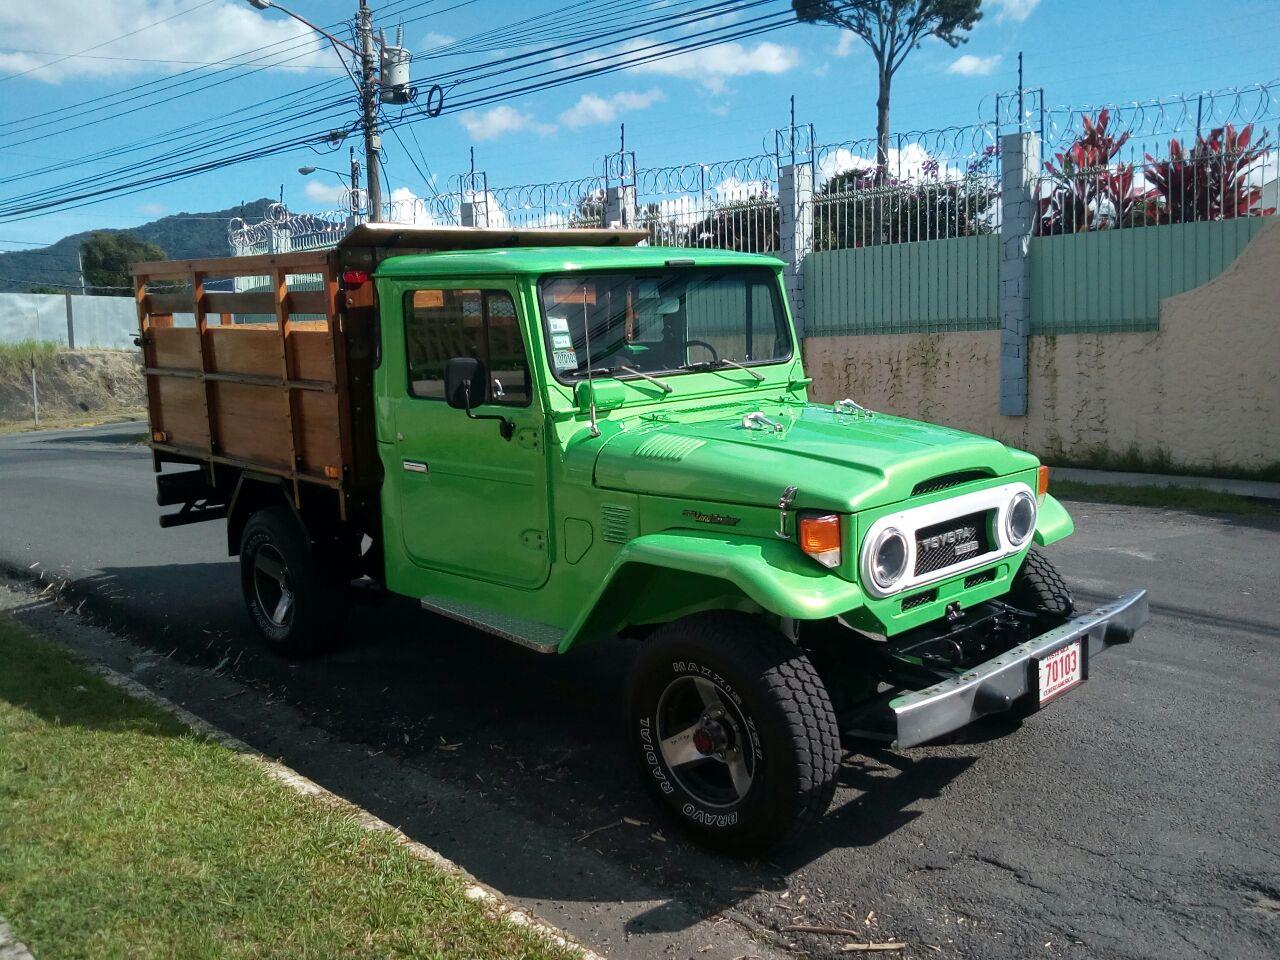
[[566, 359], [558, 324], [562, 341]]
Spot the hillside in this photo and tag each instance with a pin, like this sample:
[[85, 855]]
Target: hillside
[[181, 236]]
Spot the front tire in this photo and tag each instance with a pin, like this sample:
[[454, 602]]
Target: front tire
[[733, 731], [1039, 588], [293, 599]]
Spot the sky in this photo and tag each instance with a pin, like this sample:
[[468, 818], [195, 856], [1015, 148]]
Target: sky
[[69, 89]]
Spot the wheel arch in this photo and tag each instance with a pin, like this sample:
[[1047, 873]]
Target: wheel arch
[[664, 576], [254, 492]]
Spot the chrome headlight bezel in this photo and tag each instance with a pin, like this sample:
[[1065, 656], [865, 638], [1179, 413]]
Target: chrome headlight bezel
[[1020, 500], [886, 536]]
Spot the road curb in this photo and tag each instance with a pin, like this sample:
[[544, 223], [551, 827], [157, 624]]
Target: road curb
[[494, 902], [11, 948]]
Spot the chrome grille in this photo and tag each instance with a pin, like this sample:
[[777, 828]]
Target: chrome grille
[[952, 541]]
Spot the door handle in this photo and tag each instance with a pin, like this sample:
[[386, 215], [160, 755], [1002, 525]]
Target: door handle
[[414, 466]]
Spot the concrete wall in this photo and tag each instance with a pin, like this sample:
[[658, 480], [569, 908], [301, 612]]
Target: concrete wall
[[96, 322], [1203, 390]]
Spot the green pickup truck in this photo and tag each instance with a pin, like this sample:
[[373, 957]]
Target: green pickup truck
[[559, 436]]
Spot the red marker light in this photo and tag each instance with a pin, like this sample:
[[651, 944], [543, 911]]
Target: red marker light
[[354, 278]]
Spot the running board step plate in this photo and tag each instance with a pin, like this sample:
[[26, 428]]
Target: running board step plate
[[527, 633]]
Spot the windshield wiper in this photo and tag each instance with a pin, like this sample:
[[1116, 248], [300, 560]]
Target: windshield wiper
[[721, 361], [666, 387], [734, 363]]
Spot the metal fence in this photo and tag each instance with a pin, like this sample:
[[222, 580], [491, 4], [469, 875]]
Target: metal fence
[[1132, 203], [1138, 202]]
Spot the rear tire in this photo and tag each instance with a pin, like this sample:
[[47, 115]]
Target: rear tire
[[733, 731], [296, 602], [1039, 588]]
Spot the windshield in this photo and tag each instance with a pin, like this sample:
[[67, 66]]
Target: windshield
[[663, 321]]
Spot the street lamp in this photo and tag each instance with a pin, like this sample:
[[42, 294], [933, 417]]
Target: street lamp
[[367, 84], [354, 173]]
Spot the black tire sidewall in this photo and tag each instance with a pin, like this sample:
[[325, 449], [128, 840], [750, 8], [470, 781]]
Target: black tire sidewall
[[318, 605], [770, 806]]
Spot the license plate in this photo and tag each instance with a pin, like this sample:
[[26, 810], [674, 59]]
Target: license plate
[[1060, 671]]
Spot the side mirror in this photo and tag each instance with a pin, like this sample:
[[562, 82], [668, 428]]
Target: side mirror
[[466, 383]]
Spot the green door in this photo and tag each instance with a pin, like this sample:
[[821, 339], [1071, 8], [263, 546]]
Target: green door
[[470, 502]]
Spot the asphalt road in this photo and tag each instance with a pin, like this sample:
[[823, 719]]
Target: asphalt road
[[1137, 817]]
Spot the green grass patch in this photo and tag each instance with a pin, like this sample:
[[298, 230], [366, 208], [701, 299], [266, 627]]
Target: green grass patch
[[124, 834], [17, 357], [1178, 498]]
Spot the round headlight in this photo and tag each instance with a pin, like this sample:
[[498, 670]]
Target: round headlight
[[1020, 521], [889, 558]]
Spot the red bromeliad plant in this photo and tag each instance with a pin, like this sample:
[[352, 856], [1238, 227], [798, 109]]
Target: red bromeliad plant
[[1210, 182], [1088, 193]]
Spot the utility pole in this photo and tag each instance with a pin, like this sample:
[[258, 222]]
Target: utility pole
[[369, 84], [80, 261], [369, 106]]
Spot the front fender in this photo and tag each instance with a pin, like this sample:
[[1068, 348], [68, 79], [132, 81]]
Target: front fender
[[772, 574], [1052, 522]]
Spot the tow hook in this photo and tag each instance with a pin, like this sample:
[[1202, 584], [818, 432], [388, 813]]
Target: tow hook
[[954, 613]]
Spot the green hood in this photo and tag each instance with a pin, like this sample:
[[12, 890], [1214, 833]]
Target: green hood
[[838, 462]]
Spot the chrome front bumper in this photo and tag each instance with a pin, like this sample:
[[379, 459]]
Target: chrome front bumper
[[993, 686]]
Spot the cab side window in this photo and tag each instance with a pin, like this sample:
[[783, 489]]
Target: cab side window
[[441, 324]]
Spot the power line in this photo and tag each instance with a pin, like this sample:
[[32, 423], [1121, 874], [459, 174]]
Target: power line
[[123, 181], [99, 46]]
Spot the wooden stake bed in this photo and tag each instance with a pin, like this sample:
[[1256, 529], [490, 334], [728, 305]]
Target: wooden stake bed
[[267, 395]]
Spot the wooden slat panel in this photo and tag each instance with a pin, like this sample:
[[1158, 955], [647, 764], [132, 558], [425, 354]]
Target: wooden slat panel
[[311, 353], [243, 349], [181, 302], [252, 302], [307, 301], [180, 411], [319, 445], [253, 423], [177, 347]]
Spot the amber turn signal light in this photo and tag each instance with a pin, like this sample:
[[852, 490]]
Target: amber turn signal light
[[1042, 482], [820, 538]]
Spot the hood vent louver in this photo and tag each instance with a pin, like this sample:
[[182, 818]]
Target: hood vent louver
[[668, 448], [948, 480]]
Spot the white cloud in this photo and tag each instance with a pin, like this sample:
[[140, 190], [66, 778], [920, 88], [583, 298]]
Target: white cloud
[[971, 66], [407, 207], [432, 40], [712, 66], [499, 120], [592, 108], [912, 163], [844, 46], [1015, 10], [40, 33], [152, 209], [319, 191]]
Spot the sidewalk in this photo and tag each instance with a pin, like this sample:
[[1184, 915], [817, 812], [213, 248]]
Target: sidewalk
[[1256, 489]]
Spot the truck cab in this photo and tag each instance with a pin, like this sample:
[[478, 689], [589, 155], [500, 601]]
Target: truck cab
[[582, 441]]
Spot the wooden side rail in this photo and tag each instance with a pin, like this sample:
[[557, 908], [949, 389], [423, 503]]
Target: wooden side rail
[[270, 397]]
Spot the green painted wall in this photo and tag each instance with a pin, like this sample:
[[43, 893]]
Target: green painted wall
[[926, 287], [1112, 281], [1108, 281]]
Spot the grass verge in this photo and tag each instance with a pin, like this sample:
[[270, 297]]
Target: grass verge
[[96, 419], [122, 833], [18, 357], [1178, 498]]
